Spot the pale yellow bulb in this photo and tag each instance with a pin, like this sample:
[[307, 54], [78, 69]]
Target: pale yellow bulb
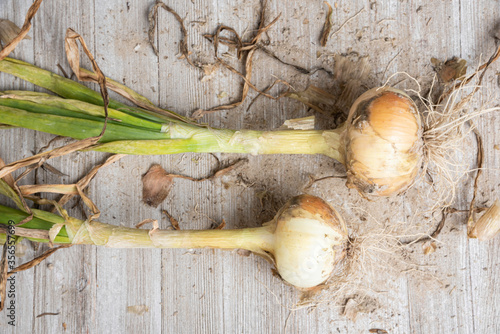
[[309, 240], [383, 142]]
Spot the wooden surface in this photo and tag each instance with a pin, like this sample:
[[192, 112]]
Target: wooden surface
[[205, 291]]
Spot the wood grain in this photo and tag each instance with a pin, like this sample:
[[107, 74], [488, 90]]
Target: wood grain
[[99, 290]]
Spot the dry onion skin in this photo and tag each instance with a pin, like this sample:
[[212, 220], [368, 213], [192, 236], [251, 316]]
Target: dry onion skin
[[306, 240], [383, 142], [488, 225]]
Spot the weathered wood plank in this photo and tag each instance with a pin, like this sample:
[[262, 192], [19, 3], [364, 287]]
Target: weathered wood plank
[[65, 283], [220, 291], [16, 144], [130, 278]]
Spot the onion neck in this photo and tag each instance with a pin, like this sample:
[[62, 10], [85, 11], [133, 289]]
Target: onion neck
[[259, 239], [188, 138]]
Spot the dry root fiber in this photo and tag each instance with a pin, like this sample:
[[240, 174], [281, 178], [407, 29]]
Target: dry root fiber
[[447, 121], [374, 247]]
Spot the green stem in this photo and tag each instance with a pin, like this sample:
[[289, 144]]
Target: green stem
[[259, 239], [189, 139], [50, 104], [171, 137], [167, 136], [78, 128], [41, 221], [71, 89]]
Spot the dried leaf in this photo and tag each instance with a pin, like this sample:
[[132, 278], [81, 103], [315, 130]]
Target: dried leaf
[[8, 178], [146, 221], [69, 189], [8, 31], [53, 170], [14, 193], [221, 226], [73, 55], [88, 202], [479, 156], [4, 268], [156, 184], [450, 70], [8, 191], [223, 171], [27, 232], [241, 47], [53, 232], [24, 30], [136, 98], [482, 70], [37, 160], [84, 181], [378, 331], [304, 123], [429, 247], [155, 228], [488, 226], [327, 27], [173, 221], [47, 313], [153, 16], [37, 260]]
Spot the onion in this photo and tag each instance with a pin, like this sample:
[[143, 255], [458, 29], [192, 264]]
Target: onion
[[383, 142], [305, 240], [380, 145]]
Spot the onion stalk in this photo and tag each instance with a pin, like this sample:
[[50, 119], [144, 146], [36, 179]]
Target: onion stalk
[[380, 144], [305, 240]]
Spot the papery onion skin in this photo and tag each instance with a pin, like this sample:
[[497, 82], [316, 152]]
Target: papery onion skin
[[488, 226], [309, 240], [383, 142]]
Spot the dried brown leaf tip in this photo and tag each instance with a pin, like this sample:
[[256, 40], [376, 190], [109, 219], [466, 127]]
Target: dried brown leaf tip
[[245, 51], [8, 31], [173, 221], [22, 32], [378, 331], [328, 25], [153, 18], [156, 185], [450, 70]]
